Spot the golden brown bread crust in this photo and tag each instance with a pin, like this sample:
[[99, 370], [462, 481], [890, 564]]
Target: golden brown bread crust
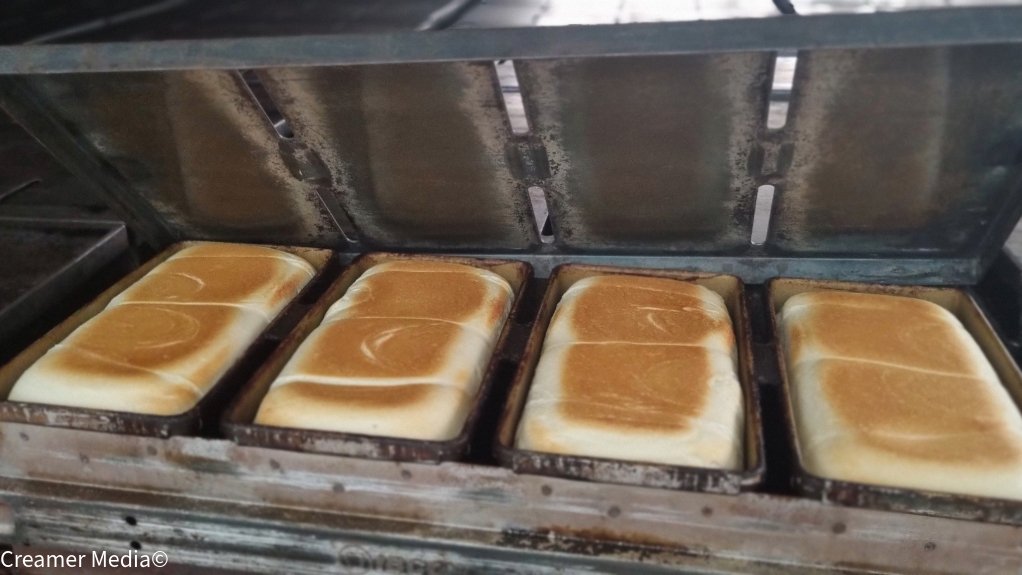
[[674, 286], [907, 337], [221, 280], [423, 294], [379, 347], [227, 250], [125, 387], [919, 414], [168, 338], [419, 411], [158, 338], [634, 387], [621, 311], [894, 391], [428, 266], [874, 301], [638, 369], [349, 396], [401, 354]]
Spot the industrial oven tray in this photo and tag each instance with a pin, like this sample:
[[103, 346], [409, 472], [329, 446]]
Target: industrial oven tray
[[46, 259], [631, 472], [196, 419], [964, 307], [238, 425]]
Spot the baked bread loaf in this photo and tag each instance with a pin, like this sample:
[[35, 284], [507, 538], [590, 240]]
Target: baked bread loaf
[[472, 297], [402, 354], [262, 280], [638, 369], [160, 345], [412, 411], [894, 391]]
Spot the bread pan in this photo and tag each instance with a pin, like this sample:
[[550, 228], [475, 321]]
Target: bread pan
[[729, 481], [237, 423], [197, 419], [962, 304]]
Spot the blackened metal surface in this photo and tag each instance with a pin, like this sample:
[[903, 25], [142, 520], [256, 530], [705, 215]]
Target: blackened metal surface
[[1000, 296], [200, 418], [22, 20], [420, 155], [63, 142], [255, 18], [900, 151], [30, 176], [237, 423], [649, 153], [194, 147], [959, 302], [728, 481], [46, 260]]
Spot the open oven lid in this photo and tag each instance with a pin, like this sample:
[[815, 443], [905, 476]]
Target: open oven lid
[[903, 139]]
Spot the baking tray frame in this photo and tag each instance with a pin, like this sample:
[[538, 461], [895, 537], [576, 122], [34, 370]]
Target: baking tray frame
[[961, 303], [237, 422], [688, 478], [195, 420]]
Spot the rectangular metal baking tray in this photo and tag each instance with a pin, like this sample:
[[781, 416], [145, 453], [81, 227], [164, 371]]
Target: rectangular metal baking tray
[[963, 305], [237, 423], [196, 419], [46, 259], [632, 472]]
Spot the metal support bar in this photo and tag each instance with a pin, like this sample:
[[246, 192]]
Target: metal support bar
[[759, 268], [949, 27], [211, 503]]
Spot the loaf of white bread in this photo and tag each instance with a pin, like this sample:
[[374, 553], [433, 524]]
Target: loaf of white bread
[[401, 354], [894, 391], [161, 344], [640, 369]]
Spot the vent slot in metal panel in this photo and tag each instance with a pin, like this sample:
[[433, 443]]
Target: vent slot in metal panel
[[761, 219], [650, 153], [895, 152], [421, 155]]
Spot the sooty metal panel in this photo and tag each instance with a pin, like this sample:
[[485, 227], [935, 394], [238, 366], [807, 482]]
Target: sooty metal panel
[[903, 151], [421, 155], [196, 146], [649, 153]]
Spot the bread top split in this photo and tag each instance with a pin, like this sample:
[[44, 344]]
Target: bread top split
[[161, 344], [894, 390], [638, 369]]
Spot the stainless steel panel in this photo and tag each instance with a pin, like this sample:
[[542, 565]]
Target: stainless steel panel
[[649, 153], [900, 151], [196, 147], [420, 155], [210, 503]]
